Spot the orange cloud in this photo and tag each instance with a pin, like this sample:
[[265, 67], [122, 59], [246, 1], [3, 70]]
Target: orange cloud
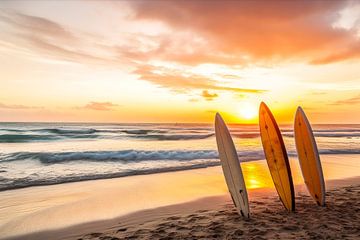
[[100, 106], [350, 53], [209, 96], [175, 80], [349, 101], [261, 30], [170, 48], [17, 106]]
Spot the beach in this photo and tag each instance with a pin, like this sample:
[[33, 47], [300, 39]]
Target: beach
[[162, 120], [338, 220], [185, 204]]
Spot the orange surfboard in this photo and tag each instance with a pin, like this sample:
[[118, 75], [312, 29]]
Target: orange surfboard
[[309, 157], [276, 157]]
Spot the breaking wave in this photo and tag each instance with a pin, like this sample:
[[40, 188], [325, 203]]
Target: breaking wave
[[124, 156]]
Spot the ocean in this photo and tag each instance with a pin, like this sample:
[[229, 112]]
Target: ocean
[[33, 154]]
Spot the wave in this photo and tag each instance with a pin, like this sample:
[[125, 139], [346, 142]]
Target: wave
[[10, 184], [293, 152], [338, 130], [18, 138], [291, 134], [141, 131], [129, 156], [150, 132], [339, 151], [53, 130], [328, 134], [337, 134], [124, 156], [119, 164], [67, 131], [175, 137]]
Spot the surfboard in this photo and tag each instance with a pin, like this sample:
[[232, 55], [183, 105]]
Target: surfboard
[[276, 157], [309, 159], [231, 167]]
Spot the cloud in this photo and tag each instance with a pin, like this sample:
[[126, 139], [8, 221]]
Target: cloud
[[194, 100], [100, 106], [35, 24], [349, 101], [350, 53], [177, 80], [208, 96], [181, 48], [56, 41], [286, 29], [17, 106], [227, 33]]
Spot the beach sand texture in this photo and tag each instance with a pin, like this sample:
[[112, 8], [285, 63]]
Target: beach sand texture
[[340, 219]]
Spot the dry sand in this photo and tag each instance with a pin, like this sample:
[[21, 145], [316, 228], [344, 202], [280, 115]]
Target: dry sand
[[340, 219]]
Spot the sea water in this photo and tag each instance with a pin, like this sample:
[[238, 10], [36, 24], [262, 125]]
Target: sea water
[[34, 154]]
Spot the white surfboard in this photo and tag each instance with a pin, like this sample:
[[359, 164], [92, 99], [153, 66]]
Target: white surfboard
[[309, 157], [231, 167]]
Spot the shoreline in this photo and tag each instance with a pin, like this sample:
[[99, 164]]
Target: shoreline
[[114, 176], [144, 173], [131, 226], [62, 206]]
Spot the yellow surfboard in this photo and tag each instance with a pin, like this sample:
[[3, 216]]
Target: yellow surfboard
[[276, 157], [309, 157]]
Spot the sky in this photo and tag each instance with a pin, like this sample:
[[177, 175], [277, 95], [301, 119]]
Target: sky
[[179, 61]]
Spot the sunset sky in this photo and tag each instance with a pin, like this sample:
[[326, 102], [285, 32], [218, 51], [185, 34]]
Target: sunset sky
[[177, 61]]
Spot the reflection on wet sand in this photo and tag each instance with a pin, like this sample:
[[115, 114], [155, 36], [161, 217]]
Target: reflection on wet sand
[[257, 174]]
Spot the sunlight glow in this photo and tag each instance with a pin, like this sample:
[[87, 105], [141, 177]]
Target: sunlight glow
[[248, 111]]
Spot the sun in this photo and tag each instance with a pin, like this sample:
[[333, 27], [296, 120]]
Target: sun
[[247, 111]]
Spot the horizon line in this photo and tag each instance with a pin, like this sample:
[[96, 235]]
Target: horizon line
[[78, 122]]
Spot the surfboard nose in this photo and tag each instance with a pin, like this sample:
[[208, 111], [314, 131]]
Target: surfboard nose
[[262, 107], [218, 118], [299, 110]]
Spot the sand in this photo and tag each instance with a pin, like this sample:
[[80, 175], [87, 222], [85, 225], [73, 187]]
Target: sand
[[340, 219], [216, 218], [184, 205]]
